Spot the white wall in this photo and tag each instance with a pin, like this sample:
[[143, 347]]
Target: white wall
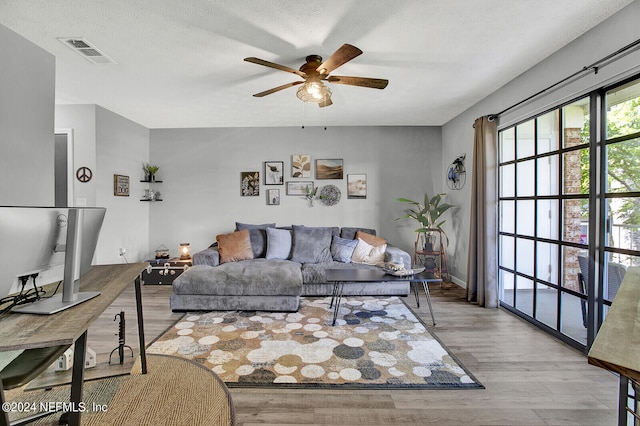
[[122, 146], [200, 169], [27, 77], [457, 135], [110, 144], [81, 120]]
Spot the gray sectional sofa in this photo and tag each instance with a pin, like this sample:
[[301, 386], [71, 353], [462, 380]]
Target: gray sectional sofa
[[262, 267]]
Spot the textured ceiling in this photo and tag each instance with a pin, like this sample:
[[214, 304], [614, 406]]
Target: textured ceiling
[[180, 63]]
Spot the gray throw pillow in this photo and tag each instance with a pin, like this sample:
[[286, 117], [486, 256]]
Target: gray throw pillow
[[278, 243], [257, 235], [311, 244], [350, 233], [342, 249]]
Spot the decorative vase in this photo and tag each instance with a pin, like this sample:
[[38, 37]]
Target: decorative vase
[[310, 200], [152, 178]]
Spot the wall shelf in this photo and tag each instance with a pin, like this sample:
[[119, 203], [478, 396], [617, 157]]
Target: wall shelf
[[150, 195]]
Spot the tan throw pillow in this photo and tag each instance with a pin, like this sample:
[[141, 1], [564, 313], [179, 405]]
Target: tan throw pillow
[[234, 246], [366, 253], [371, 239]]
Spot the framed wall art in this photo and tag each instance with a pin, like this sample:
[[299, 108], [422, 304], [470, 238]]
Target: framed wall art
[[301, 166], [299, 188], [249, 184], [273, 197], [329, 169], [120, 186], [357, 186], [273, 173]]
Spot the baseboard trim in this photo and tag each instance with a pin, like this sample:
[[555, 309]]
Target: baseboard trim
[[457, 281]]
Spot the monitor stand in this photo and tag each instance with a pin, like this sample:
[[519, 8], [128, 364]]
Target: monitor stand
[[72, 259], [54, 304]]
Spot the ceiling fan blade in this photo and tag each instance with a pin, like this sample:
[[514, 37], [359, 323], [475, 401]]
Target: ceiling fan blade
[[344, 54], [277, 89], [325, 102], [373, 83], [274, 65]]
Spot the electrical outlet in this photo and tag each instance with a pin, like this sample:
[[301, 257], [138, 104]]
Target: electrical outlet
[[122, 251]]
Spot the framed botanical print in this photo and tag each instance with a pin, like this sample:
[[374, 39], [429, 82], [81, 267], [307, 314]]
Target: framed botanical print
[[301, 166], [357, 186], [329, 169], [120, 186], [250, 184], [273, 173]]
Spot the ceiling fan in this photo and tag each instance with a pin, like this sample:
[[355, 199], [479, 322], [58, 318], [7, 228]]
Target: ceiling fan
[[314, 72]]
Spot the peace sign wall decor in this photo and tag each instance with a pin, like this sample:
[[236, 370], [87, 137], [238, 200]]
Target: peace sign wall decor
[[84, 174], [120, 186]]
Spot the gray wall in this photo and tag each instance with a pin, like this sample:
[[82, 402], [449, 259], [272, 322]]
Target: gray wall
[[27, 77], [457, 135], [200, 169]]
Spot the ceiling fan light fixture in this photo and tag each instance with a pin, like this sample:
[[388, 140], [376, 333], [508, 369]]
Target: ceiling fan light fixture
[[313, 91]]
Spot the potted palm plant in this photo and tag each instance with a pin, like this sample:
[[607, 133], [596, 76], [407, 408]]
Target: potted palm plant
[[428, 214]]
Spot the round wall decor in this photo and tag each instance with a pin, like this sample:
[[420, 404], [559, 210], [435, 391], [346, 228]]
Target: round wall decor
[[330, 195], [84, 174]]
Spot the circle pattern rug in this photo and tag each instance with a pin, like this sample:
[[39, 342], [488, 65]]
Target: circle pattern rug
[[376, 342]]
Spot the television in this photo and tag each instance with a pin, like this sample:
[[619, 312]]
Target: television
[[42, 245]]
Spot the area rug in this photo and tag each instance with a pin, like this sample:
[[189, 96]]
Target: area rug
[[377, 342]]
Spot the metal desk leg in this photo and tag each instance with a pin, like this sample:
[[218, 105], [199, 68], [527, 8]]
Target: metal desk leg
[[143, 349], [415, 292], [426, 291], [77, 380]]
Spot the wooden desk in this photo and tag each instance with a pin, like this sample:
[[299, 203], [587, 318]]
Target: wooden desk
[[617, 344], [28, 331]]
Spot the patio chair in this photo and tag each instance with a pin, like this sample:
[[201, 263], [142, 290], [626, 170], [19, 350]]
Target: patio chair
[[615, 274]]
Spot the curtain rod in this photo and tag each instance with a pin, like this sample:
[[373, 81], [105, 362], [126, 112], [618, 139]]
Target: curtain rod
[[593, 67]]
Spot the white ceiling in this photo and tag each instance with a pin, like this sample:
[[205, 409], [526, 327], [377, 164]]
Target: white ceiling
[[180, 63]]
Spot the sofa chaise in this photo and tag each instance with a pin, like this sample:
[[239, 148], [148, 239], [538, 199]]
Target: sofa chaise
[[264, 267]]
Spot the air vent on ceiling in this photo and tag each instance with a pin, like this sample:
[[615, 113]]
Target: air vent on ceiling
[[85, 49]]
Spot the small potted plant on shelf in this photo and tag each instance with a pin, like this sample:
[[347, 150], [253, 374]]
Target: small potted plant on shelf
[[428, 214], [151, 170]]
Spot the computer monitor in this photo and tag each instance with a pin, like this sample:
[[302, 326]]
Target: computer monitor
[[47, 244]]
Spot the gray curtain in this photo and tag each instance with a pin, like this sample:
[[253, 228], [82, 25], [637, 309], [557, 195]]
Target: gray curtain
[[482, 270]]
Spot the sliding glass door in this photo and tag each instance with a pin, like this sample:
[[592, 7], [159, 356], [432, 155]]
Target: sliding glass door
[[565, 210]]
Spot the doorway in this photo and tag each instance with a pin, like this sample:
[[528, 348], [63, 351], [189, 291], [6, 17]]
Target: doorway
[[63, 168]]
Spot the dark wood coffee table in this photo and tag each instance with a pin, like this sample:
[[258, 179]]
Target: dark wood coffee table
[[340, 277]]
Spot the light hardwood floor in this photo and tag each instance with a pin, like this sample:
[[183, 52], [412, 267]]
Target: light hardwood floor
[[530, 378]]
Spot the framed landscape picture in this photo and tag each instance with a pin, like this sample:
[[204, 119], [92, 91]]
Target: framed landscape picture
[[299, 188], [357, 186], [301, 166], [249, 184], [273, 173], [329, 169], [273, 197]]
